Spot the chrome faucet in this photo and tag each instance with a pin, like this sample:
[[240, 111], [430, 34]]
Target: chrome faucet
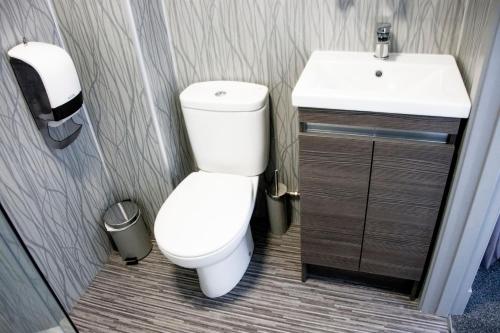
[[383, 40]]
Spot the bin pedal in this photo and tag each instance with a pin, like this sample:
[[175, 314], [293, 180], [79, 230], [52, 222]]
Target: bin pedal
[[131, 261]]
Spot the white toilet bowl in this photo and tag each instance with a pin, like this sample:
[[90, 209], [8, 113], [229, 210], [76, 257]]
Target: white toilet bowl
[[204, 224]]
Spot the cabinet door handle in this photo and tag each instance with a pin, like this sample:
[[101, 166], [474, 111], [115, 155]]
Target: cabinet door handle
[[374, 132]]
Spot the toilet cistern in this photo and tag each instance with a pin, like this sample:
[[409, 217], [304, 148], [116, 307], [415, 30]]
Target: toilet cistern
[[383, 40]]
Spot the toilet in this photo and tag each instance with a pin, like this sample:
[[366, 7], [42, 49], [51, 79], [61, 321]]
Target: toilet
[[204, 223]]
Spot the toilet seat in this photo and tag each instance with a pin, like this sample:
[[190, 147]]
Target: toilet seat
[[204, 218]]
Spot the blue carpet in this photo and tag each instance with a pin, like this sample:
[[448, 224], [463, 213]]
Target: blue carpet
[[482, 313]]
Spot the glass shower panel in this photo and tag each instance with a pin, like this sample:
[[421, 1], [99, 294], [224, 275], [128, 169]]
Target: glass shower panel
[[26, 302]]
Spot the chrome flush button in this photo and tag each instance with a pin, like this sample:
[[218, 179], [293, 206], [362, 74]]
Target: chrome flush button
[[220, 93]]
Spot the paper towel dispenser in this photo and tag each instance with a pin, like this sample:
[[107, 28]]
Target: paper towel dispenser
[[50, 85]]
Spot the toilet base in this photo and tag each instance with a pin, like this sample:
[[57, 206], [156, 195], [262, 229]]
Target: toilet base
[[220, 278]]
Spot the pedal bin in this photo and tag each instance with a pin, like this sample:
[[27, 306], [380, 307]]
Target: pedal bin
[[127, 229]]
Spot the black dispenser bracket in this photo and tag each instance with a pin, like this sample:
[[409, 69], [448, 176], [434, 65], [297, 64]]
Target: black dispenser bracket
[[60, 144]]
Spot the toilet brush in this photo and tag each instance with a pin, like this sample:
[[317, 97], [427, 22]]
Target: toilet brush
[[277, 206]]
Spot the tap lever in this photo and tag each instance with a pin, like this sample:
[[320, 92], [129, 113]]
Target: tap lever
[[383, 30]]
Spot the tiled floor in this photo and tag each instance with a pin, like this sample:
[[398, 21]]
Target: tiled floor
[[157, 296]]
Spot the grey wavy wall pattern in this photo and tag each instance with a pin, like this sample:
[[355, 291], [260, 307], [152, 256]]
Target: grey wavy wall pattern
[[99, 38], [472, 52], [154, 42], [55, 198], [26, 304], [269, 42]]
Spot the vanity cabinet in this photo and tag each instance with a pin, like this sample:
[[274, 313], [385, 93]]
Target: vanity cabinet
[[372, 186]]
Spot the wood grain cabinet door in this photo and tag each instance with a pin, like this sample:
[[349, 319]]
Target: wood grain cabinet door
[[334, 178], [406, 189]]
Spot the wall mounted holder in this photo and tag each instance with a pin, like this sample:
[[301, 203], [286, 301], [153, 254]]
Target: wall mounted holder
[[49, 82]]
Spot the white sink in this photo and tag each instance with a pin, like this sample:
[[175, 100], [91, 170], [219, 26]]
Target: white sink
[[417, 84]]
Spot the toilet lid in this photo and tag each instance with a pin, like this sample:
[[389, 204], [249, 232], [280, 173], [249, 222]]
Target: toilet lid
[[204, 213]]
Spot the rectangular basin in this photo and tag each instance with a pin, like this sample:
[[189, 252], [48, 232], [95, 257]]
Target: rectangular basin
[[415, 84]]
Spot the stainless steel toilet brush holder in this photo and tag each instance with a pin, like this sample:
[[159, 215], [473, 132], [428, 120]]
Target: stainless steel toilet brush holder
[[276, 197]]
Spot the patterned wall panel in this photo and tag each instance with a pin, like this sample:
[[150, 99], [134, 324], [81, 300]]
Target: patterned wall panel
[[155, 45], [55, 198], [26, 304], [270, 41], [99, 38], [223, 40], [472, 50], [424, 26]]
